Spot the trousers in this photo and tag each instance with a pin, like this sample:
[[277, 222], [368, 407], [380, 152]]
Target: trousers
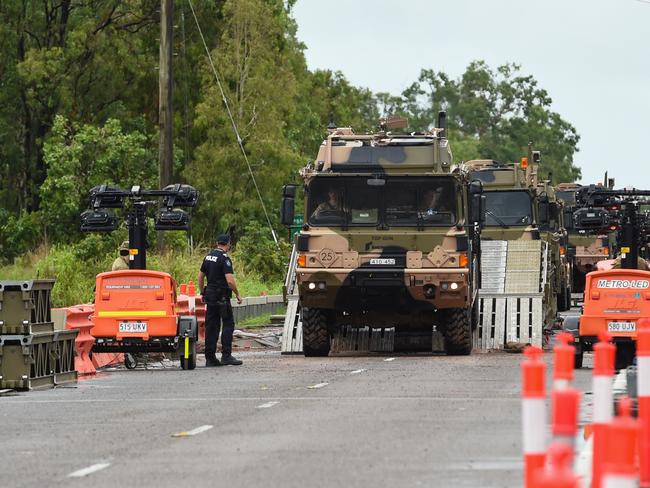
[[216, 314]]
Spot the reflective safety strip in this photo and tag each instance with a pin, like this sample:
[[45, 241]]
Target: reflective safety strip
[[187, 348], [643, 376], [133, 313], [619, 481], [603, 399], [534, 425]]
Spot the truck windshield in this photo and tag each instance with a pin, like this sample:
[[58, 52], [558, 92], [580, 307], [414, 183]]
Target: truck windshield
[[399, 202], [508, 208]]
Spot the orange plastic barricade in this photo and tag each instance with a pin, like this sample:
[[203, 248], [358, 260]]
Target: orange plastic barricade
[[77, 318]]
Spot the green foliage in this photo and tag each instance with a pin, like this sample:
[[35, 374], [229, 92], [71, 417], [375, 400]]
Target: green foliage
[[491, 114], [258, 254], [82, 156], [18, 234]]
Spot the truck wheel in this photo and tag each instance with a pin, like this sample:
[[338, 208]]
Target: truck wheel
[[190, 362], [456, 328], [564, 299], [315, 336]]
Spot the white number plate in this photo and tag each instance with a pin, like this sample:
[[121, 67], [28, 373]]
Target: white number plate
[[621, 326], [133, 327], [382, 261]]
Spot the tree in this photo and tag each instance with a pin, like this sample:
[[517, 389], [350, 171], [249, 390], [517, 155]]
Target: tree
[[254, 62], [82, 156], [491, 114]]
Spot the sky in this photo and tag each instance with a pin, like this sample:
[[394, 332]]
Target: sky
[[592, 56]]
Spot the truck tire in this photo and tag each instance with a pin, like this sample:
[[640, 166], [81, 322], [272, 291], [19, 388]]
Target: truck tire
[[457, 331], [315, 336], [564, 299]]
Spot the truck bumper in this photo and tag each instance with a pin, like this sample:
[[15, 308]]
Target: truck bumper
[[402, 290]]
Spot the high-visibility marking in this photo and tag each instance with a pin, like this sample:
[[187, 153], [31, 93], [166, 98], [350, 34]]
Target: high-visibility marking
[[317, 386], [583, 461], [192, 432], [643, 376], [619, 481], [603, 399], [133, 313], [89, 470], [389, 359], [267, 405], [187, 348], [357, 371], [534, 425]]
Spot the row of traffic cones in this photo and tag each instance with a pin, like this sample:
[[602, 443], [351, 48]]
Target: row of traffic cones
[[621, 444]]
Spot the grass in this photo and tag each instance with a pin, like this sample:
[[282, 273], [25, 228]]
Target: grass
[[259, 321], [75, 274]]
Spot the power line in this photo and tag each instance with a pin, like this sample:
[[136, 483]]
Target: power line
[[232, 121]]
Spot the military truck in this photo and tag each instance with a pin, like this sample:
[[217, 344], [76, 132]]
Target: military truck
[[520, 207], [584, 249], [387, 241]]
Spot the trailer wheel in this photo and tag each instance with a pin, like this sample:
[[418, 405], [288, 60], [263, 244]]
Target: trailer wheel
[[315, 336], [456, 329], [190, 362], [130, 361]]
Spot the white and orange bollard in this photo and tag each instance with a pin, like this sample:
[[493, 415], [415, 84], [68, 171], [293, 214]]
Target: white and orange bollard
[[533, 413], [563, 361], [558, 473], [564, 417], [643, 393], [619, 470], [603, 383]]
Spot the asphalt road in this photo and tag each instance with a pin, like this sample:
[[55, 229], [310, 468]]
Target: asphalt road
[[432, 421]]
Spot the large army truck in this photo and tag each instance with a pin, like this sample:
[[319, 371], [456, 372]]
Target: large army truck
[[387, 241], [584, 249], [518, 207]]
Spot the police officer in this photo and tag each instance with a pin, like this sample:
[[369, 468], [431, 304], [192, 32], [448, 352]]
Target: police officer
[[217, 268]]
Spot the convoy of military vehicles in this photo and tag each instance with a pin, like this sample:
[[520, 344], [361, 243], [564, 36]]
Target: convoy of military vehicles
[[398, 235]]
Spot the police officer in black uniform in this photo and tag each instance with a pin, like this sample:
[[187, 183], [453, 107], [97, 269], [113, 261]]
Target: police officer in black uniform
[[217, 268]]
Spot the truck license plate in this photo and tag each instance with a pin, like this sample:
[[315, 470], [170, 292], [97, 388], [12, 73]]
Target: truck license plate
[[621, 326], [133, 327], [382, 261]]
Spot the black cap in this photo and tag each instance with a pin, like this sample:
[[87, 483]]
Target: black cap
[[223, 239]]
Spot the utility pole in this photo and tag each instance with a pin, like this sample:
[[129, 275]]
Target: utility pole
[[165, 153]]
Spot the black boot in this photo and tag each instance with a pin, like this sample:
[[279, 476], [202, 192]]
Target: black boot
[[229, 360], [211, 361]]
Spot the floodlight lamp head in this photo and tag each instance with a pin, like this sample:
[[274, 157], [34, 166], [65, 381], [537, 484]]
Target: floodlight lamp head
[[174, 219], [105, 196], [98, 220], [183, 196]]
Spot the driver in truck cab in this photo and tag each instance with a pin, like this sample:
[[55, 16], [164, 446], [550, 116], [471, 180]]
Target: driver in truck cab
[[331, 204]]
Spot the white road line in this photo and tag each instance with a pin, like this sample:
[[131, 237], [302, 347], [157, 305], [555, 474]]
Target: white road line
[[389, 359], [80, 473], [267, 405], [192, 432], [317, 386], [357, 371], [258, 399]]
